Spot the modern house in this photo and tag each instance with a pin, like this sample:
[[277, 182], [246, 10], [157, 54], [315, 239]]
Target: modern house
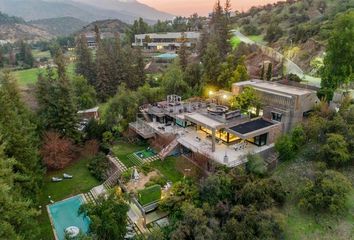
[[204, 130], [166, 41], [280, 102]]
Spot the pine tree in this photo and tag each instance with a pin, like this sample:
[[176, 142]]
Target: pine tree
[[25, 55], [269, 72], [18, 130], [183, 54], [211, 62], [84, 61], [140, 69], [58, 110], [18, 218]]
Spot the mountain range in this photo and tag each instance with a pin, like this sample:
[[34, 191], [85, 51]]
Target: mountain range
[[84, 10]]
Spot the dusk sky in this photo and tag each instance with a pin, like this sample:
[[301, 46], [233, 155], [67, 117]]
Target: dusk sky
[[202, 7]]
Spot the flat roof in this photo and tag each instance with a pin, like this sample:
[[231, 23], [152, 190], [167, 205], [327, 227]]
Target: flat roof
[[273, 86], [252, 126], [203, 120]]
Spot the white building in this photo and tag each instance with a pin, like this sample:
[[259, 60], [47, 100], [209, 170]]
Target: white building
[[166, 41]]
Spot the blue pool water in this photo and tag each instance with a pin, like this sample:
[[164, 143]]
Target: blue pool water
[[65, 214]]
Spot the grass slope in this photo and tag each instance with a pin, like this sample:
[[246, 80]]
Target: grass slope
[[124, 150], [82, 182], [306, 226], [29, 76]]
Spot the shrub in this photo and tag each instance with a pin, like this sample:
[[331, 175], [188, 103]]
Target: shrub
[[98, 166], [285, 148], [156, 180], [327, 192], [335, 151], [256, 165]]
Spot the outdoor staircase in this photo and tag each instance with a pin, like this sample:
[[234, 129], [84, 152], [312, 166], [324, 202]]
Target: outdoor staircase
[[168, 149], [112, 180], [152, 159], [120, 166], [146, 116], [88, 197]]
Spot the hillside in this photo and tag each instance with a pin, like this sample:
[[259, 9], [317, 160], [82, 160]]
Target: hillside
[[62, 26], [86, 11], [13, 28], [299, 29], [106, 26]]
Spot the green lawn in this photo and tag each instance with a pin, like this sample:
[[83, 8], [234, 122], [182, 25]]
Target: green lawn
[[82, 182], [41, 54], [29, 76], [168, 168], [149, 195], [235, 41], [303, 225], [124, 151], [256, 38]]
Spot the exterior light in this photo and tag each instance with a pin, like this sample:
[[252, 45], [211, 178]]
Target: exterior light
[[211, 92], [224, 96]]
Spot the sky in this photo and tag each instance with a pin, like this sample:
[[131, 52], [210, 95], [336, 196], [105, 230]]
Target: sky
[[202, 7]]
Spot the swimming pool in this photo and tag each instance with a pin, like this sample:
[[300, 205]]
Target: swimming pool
[[64, 214]]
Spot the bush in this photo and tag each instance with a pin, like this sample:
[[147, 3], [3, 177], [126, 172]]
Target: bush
[[327, 192], [126, 176], [335, 151], [256, 165], [156, 180], [285, 148], [145, 168], [98, 166]]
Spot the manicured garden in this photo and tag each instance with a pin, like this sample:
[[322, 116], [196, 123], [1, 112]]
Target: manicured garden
[[81, 182], [124, 151], [149, 195]]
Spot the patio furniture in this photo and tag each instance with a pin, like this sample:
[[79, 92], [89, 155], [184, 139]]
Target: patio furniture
[[67, 176], [56, 179]]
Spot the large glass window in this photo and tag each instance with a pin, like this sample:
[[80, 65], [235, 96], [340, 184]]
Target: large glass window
[[260, 140], [276, 116]]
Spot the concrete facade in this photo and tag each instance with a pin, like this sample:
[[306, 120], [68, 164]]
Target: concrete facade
[[281, 103]]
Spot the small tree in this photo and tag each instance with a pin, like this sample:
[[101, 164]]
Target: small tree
[[108, 217], [285, 148], [335, 151], [256, 165], [57, 152], [327, 192]]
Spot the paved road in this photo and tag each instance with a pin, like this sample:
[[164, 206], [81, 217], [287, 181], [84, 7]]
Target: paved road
[[290, 66]]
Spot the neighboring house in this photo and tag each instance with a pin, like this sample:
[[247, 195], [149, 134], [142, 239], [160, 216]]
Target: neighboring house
[[280, 102], [202, 129], [89, 113], [166, 41]]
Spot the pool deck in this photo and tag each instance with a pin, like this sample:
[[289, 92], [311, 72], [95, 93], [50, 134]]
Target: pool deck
[[51, 217]]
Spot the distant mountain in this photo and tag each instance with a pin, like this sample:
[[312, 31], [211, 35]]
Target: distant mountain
[[62, 26], [85, 10], [13, 29]]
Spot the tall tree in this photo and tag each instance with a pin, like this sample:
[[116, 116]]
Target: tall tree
[[85, 94], [211, 62], [183, 54], [57, 107], [338, 67], [25, 55], [18, 130], [84, 61], [18, 218]]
